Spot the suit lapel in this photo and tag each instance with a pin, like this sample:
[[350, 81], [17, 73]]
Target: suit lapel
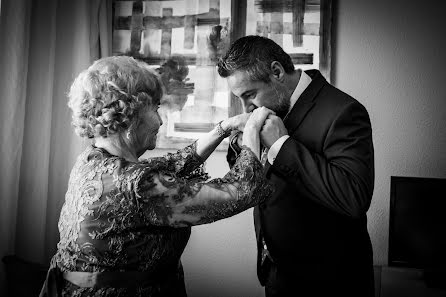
[[305, 101], [301, 107]]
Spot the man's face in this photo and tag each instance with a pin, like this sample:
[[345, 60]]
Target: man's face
[[253, 94]]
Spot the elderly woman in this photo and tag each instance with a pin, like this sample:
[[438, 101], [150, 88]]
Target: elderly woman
[[125, 222]]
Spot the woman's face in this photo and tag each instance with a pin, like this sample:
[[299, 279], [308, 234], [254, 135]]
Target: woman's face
[[147, 129]]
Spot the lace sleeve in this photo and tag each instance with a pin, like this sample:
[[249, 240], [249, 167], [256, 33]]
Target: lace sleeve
[[164, 198], [186, 163]]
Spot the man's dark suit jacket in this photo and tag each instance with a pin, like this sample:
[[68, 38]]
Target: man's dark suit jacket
[[315, 224]]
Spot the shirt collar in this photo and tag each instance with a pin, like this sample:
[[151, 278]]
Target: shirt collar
[[303, 83]]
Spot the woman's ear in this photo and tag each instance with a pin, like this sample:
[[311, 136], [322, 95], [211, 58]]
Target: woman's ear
[[277, 70]]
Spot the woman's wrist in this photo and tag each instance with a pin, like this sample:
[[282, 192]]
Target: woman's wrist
[[223, 129], [251, 139]]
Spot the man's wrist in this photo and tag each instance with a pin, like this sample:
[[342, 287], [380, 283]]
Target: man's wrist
[[275, 148]]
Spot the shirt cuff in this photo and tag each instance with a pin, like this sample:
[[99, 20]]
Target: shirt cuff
[[275, 148]]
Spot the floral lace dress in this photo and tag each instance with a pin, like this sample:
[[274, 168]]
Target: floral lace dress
[[122, 216]]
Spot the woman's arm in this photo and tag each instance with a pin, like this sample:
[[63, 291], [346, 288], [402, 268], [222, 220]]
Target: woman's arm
[[251, 123], [165, 199], [209, 142], [186, 162]]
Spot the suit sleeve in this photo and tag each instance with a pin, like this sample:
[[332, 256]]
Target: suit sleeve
[[340, 178]]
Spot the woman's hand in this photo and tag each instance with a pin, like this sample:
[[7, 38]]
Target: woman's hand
[[251, 135], [237, 122]]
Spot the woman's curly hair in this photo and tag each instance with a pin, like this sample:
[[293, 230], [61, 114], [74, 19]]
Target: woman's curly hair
[[106, 97]]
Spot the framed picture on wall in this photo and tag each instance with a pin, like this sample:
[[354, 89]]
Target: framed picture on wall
[[184, 39]]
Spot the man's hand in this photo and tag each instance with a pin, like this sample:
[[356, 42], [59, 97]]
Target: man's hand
[[272, 129], [251, 135], [258, 117]]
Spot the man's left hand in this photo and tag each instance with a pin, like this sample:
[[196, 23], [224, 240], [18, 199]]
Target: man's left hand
[[272, 129]]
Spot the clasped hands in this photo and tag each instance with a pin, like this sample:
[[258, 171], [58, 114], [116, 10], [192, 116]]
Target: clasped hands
[[261, 121]]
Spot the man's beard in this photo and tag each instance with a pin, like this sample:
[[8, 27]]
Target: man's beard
[[282, 105]]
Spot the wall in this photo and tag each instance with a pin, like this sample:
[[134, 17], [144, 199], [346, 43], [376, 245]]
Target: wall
[[388, 55]]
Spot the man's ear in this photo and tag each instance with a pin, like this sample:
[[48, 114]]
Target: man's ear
[[277, 70]]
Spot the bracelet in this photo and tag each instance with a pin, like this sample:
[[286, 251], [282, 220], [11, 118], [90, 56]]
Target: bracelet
[[221, 132]]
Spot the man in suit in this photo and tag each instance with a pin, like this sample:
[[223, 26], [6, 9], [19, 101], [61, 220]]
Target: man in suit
[[312, 233]]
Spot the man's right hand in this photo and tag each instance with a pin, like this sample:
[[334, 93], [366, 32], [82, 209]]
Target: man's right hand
[[272, 130], [258, 117]]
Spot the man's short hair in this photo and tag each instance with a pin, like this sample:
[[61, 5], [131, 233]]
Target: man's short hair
[[254, 54]]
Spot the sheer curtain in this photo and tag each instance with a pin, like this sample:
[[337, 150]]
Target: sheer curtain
[[44, 44]]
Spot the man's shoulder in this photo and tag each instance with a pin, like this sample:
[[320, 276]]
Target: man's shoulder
[[331, 96]]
